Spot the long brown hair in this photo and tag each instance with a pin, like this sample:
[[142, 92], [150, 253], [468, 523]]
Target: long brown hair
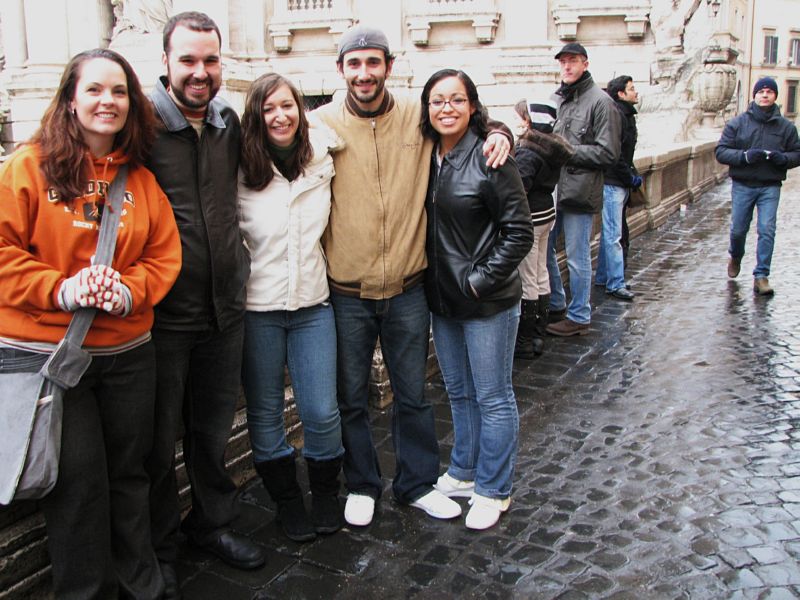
[[59, 135], [256, 161]]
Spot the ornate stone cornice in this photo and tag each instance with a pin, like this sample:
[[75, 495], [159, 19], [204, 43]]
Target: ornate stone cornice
[[636, 14]]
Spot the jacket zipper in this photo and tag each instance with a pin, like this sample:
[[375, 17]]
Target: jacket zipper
[[435, 217], [374, 124]]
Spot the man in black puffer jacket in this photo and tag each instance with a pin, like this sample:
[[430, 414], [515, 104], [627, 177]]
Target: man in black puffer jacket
[[759, 146]]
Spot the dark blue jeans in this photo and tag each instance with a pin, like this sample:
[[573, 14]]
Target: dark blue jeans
[[764, 200], [403, 325], [305, 340], [198, 376], [98, 523]]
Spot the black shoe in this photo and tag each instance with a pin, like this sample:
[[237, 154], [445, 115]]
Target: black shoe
[[172, 585], [623, 294], [235, 549]]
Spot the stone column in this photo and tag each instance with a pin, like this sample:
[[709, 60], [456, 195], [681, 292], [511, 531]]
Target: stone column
[[13, 24], [48, 41], [88, 25]]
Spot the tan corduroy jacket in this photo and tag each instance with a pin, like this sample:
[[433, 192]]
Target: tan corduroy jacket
[[375, 240]]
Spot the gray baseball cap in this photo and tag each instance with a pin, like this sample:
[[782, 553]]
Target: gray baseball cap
[[361, 37]]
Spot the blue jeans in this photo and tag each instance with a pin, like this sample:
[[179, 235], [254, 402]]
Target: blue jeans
[[743, 200], [198, 375], [403, 325], [476, 356], [610, 261], [305, 339], [577, 228]]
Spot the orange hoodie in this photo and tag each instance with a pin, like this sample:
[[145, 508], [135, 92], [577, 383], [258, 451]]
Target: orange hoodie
[[42, 242]]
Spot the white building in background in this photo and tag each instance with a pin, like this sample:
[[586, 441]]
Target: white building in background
[[690, 59]]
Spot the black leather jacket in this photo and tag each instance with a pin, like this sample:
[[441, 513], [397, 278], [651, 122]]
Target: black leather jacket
[[479, 229], [199, 176]]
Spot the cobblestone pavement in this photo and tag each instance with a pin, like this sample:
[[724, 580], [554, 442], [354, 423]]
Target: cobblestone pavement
[[659, 456]]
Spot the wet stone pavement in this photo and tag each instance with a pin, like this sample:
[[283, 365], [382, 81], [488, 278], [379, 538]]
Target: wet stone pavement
[[659, 455]]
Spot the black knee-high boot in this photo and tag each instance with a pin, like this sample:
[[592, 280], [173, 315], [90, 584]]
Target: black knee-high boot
[[523, 347], [540, 324], [323, 478], [280, 479]]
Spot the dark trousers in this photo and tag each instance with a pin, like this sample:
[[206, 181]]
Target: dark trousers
[[403, 325], [98, 524], [198, 380]]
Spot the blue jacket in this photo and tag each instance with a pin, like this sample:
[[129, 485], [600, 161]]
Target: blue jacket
[[758, 128]]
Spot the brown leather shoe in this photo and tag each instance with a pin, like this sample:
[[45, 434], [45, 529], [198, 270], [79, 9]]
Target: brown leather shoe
[[733, 267], [568, 327], [762, 287]]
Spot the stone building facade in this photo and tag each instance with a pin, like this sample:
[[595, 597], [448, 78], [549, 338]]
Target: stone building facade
[[692, 60]]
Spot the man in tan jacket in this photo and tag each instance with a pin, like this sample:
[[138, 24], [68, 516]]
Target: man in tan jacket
[[375, 246]]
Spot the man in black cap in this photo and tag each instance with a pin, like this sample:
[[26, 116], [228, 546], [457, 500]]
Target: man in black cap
[[587, 119], [375, 247], [759, 146]]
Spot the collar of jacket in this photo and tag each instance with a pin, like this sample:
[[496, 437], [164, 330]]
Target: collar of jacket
[[568, 91], [386, 105], [172, 116], [761, 115], [459, 155], [626, 107]]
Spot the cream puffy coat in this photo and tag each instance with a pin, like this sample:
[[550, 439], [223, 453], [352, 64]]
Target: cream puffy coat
[[282, 226]]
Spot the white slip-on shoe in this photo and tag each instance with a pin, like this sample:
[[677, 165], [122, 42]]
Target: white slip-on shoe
[[454, 488], [437, 505], [485, 512], [359, 509]]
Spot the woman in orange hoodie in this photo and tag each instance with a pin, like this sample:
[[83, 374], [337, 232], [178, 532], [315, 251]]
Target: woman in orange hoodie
[[52, 198]]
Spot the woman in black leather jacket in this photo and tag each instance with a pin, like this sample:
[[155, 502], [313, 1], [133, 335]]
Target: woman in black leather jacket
[[479, 229]]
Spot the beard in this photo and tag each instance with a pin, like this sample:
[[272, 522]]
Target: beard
[[177, 89], [369, 97]]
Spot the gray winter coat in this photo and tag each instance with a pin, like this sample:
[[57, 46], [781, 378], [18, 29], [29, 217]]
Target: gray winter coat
[[587, 119]]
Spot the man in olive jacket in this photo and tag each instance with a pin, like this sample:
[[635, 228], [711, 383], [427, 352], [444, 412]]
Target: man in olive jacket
[[587, 119]]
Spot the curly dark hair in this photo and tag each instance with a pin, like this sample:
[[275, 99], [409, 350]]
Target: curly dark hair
[[478, 121], [256, 161], [64, 152]]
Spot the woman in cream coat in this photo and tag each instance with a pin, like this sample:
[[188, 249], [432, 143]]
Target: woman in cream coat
[[284, 204]]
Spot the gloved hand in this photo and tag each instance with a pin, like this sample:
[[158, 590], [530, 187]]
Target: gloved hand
[[115, 300], [754, 155], [82, 289], [636, 182], [778, 158]]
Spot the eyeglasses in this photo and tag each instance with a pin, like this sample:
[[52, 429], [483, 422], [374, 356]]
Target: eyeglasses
[[456, 103]]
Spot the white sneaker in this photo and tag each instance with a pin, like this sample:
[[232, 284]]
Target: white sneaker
[[438, 505], [359, 509], [485, 512], [454, 488]]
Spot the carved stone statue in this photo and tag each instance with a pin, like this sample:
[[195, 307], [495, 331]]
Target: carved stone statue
[[141, 16]]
